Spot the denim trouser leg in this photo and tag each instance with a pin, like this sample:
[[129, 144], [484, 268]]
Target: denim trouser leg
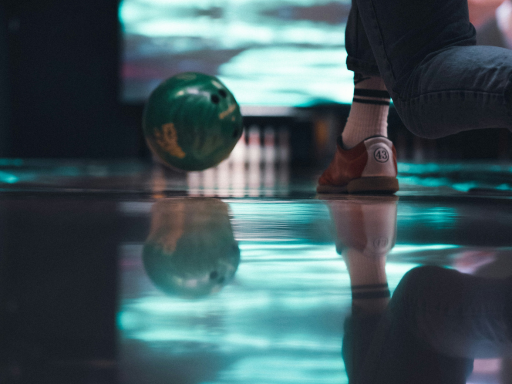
[[456, 314], [360, 56], [440, 82]]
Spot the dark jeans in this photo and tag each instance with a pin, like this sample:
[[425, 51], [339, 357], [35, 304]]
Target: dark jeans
[[440, 82], [436, 323], [457, 314]]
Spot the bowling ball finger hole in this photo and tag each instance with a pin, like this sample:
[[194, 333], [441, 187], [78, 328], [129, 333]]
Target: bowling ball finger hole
[[235, 133], [223, 93], [214, 99], [214, 275]]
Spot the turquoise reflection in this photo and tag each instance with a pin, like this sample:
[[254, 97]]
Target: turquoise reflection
[[8, 178], [461, 177], [437, 182], [411, 248], [280, 318], [11, 162], [275, 369], [504, 187]]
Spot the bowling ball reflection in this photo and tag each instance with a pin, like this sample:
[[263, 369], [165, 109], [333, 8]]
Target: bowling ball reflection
[[190, 251]]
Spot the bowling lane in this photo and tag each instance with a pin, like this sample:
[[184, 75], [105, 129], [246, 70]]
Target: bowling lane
[[129, 273], [276, 314]]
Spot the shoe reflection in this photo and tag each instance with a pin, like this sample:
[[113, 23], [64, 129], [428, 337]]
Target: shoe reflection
[[438, 319], [365, 229], [190, 251]]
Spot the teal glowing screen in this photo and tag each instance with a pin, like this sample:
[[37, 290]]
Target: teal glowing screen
[[267, 52]]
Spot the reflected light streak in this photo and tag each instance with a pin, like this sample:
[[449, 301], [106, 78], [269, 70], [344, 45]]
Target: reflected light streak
[[437, 182], [11, 162], [292, 211], [291, 369], [295, 244], [484, 175], [234, 341], [8, 178], [410, 248], [266, 319]]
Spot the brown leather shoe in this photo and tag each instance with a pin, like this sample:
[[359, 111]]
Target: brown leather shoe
[[369, 167]]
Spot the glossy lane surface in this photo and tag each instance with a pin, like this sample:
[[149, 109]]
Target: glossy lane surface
[[129, 273]]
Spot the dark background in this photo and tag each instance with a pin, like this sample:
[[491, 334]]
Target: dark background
[[60, 83], [60, 93]]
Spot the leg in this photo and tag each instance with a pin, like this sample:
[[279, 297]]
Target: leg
[[365, 232], [360, 57], [439, 81], [369, 112], [365, 160], [457, 314]]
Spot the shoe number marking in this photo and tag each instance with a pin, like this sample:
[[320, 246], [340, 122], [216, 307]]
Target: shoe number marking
[[381, 155], [380, 243]]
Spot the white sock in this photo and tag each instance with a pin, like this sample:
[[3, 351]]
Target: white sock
[[369, 112], [369, 285]]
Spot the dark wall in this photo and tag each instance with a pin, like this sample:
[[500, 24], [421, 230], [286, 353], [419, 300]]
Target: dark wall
[[4, 93], [64, 69]]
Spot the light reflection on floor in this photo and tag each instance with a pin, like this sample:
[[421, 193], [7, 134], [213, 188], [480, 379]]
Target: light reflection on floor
[[280, 320], [276, 310], [285, 307]]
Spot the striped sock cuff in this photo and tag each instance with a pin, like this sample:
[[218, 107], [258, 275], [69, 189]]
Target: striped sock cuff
[[371, 96], [370, 291]]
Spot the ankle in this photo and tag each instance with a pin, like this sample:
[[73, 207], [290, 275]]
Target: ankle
[[369, 112]]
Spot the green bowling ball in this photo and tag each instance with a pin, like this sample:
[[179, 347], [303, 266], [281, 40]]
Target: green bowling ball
[[190, 251], [192, 121]]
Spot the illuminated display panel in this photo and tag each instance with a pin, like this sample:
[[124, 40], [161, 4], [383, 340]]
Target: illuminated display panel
[[268, 52]]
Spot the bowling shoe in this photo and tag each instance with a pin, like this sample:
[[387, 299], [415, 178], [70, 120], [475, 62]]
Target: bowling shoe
[[366, 224], [369, 167]]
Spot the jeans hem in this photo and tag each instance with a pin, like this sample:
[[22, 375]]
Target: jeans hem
[[508, 96], [363, 67]]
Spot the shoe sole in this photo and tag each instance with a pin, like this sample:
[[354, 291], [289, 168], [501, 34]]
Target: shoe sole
[[382, 184]]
